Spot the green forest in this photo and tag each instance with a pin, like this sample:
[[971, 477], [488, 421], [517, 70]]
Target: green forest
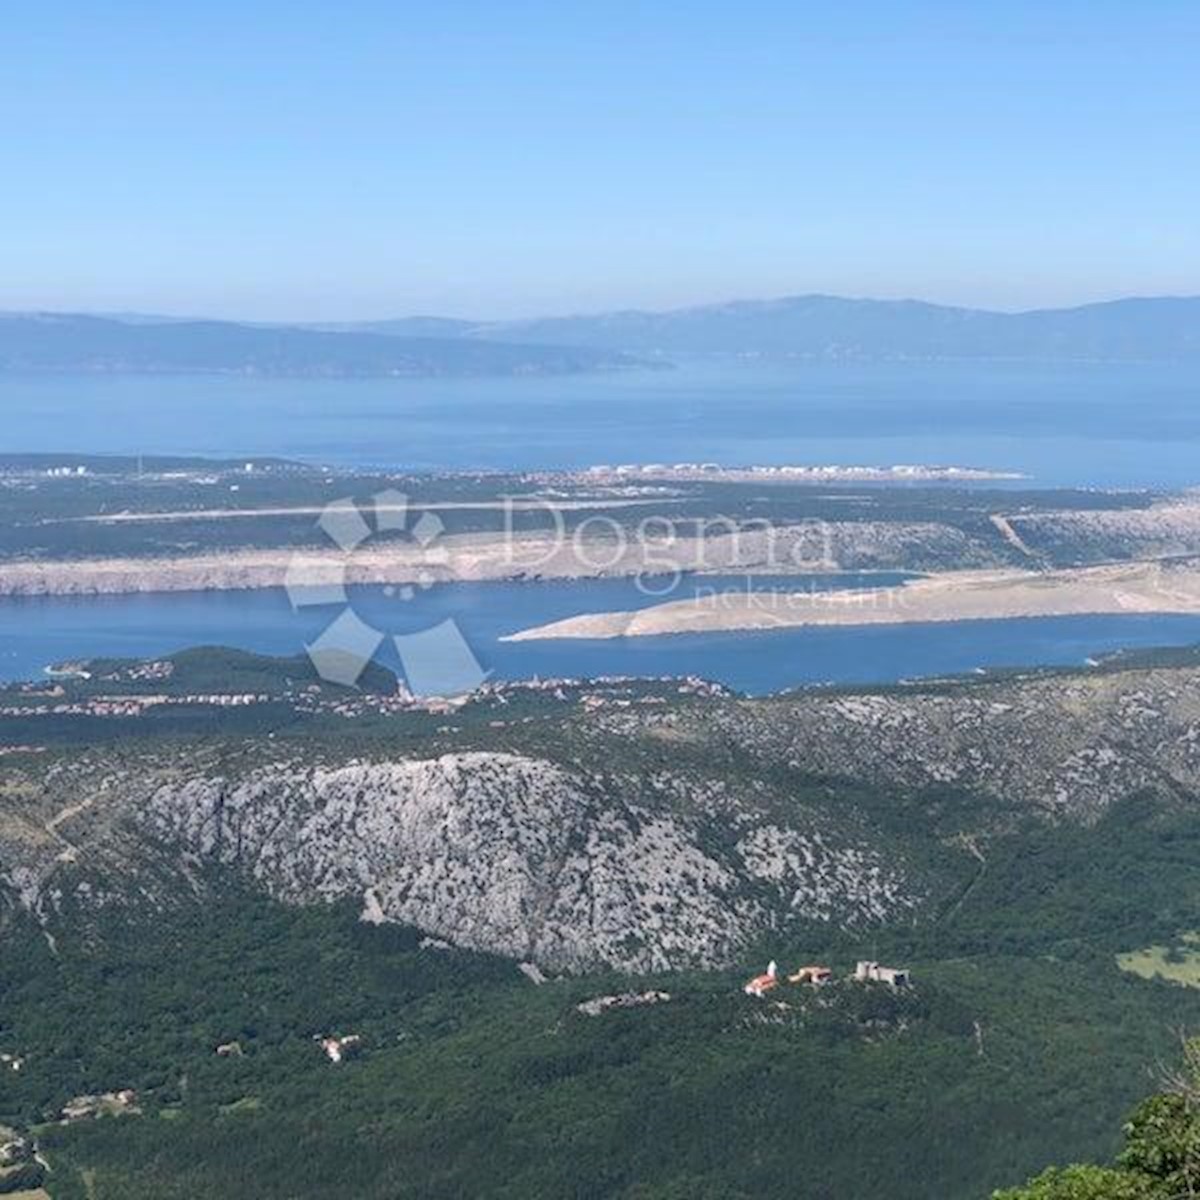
[[1034, 1025], [474, 1081], [1160, 1150]]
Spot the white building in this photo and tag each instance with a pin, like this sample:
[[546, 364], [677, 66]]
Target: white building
[[872, 972]]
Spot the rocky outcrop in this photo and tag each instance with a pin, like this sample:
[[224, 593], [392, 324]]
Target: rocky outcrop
[[525, 857], [1165, 530], [643, 838], [721, 545], [1064, 745]]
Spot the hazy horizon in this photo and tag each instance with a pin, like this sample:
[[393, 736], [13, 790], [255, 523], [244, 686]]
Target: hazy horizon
[[552, 314]]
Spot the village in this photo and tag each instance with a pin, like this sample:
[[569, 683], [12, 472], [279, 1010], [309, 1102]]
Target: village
[[865, 971], [22, 1161], [69, 691], [132, 706]]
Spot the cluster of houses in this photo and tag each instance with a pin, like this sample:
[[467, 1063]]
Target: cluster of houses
[[598, 694], [864, 972], [132, 706], [312, 699], [141, 672], [63, 472], [819, 472]]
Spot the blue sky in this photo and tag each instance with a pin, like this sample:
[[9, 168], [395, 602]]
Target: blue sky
[[312, 160]]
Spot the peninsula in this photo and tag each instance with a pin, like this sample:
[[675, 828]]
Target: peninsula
[[1146, 587]]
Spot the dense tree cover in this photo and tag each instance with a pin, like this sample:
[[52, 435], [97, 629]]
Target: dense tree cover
[[476, 1082], [1161, 1155], [1081, 1183]]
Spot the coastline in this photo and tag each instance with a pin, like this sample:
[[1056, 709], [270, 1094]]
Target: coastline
[[1143, 587]]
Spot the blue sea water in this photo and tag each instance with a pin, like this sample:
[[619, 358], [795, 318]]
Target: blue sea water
[[1114, 424], [38, 631]]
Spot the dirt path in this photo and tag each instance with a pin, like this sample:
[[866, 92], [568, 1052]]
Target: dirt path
[[70, 852], [1010, 535], [968, 843]]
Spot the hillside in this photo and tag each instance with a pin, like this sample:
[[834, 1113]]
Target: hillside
[[76, 343], [832, 327], [187, 874], [812, 327], [638, 830], [474, 1081]]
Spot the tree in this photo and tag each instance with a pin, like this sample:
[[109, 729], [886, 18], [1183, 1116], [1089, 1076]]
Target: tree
[[1161, 1158], [1082, 1183]]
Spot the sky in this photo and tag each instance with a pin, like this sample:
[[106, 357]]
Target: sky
[[326, 161]]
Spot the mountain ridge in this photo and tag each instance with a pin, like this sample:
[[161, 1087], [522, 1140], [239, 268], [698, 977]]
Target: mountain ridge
[[811, 326], [658, 836], [823, 326], [80, 343]]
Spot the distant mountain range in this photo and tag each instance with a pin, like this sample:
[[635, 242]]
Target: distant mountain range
[[830, 327], [147, 345], [804, 327]]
